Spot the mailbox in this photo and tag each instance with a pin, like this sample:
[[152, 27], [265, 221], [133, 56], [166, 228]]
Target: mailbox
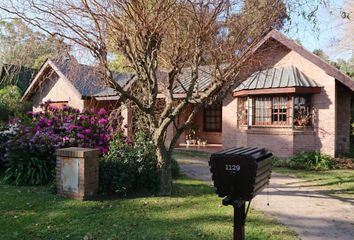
[[240, 173]]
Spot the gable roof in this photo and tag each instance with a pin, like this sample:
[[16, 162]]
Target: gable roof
[[284, 77], [85, 79], [325, 66], [205, 72], [18, 75]]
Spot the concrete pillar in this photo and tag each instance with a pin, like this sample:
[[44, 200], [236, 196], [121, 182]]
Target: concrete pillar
[[77, 172]]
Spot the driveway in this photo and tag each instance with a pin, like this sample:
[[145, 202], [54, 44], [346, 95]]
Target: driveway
[[311, 214]]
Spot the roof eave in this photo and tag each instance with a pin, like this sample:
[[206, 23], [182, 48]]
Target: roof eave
[[271, 91]]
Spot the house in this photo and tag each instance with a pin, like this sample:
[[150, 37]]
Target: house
[[67, 82], [293, 101], [271, 107]]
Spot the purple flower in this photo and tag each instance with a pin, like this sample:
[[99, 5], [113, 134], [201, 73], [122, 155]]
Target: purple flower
[[30, 113], [87, 131], [65, 138], [102, 121], [80, 135], [102, 112], [71, 127], [83, 117]]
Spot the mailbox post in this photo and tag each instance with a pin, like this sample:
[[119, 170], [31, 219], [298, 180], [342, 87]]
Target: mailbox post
[[239, 174]]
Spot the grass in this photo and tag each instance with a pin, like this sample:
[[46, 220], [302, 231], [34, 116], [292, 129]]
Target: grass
[[192, 212], [190, 153], [339, 183]]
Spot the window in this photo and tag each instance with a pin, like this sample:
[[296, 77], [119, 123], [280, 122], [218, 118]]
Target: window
[[262, 111], [274, 110], [242, 111], [279, 110], [271, 110], [302, 112], [213, 118]]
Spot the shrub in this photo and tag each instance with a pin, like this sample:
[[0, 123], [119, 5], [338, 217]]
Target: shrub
[[129, 166], [10, 103], [30, 150], [311, 161]]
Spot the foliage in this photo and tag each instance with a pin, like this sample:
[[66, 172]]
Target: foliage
[[307, 160], [346, 66], [129, 166], [22, 46], [10, 103], [29, 143], [6, 133]]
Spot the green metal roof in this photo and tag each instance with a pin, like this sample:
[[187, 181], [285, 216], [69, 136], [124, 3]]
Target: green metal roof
[[284, 77]]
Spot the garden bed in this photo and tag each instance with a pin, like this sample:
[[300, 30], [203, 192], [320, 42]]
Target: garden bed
[[192, 212]]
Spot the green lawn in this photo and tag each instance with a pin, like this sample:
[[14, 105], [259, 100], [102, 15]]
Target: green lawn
[[339, 183], [190, 153], [192, 212]]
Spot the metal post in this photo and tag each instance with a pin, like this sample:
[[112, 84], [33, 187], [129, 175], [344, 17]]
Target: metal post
[[239, 221]]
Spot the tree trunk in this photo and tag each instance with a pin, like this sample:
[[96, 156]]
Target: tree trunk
[[164, 165]]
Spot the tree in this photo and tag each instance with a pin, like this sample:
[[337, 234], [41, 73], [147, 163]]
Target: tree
[[21, 46], [321, 54], [10, 104], [346, 66], [161, 38]]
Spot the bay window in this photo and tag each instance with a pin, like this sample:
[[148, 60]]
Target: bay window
[[276, 110]]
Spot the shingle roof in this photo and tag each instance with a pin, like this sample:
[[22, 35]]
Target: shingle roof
[[87, 80], [283, 77]]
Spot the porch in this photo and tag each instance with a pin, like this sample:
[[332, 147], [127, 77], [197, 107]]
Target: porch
[[205, 133]]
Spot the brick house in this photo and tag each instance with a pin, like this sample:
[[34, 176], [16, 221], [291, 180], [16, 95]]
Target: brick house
[[293, 101]]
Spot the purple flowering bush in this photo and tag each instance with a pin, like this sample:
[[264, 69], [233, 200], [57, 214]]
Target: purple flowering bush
[[30, 151]]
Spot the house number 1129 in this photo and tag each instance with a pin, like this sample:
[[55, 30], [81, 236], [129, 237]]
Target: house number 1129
[[229, 167]]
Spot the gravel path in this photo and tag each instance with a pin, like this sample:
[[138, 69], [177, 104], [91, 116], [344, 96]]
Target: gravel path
[[311, 214]]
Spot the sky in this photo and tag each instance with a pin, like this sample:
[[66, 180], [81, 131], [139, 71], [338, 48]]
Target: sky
[[330, 28]]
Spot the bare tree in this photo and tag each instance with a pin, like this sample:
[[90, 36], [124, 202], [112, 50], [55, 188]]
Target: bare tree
[[161, 38]]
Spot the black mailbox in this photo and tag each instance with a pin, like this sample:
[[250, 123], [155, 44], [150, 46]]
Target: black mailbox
[[240, 173]]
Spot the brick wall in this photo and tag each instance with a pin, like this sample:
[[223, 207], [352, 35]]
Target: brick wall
[[322, 138], [343, 116], [88, 172], [230, 135], [324, 103]]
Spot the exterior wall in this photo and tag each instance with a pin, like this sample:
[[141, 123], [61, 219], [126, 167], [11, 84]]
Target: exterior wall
[[230, 132], [343, 116], [286, 142], [324, 103], [304, 141], [279, 141], [56, 89], [211, 137]]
